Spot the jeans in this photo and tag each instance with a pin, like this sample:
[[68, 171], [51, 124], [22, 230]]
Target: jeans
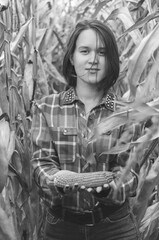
[[121, 225]]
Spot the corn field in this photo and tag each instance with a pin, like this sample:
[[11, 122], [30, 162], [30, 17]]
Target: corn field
[[33, 36]]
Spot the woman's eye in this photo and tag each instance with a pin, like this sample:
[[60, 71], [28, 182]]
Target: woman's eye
[[102, 53], [84, 51]]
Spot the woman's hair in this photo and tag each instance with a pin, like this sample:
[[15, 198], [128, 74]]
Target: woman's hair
[[111, 50]]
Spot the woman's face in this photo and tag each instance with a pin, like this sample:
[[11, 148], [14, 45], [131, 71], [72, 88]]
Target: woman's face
[[89, 58]]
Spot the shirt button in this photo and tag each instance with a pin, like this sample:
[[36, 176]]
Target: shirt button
[[65, 131]]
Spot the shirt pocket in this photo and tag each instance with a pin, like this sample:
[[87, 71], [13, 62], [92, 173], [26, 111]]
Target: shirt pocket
[[65, 140]]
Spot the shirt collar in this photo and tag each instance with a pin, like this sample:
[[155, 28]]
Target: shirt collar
[[109, 101], [70, 96]]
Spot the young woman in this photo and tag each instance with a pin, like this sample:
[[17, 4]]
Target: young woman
[[62, 124]]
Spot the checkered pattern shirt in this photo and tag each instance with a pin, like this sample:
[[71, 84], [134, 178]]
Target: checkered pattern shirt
[[60, 132]]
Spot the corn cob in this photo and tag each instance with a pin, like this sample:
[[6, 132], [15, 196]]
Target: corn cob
[[90, 179]]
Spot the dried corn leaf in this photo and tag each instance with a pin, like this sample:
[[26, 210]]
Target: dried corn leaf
[[149, 135], [16, 161], [4, 133], [124, 15], [40, 38], [28, 83], [140, 57], [20, 13], [53, 72], [3, 167], [119, 148], [84, 4], [7, 231], [150, 221], [7, 146], [4, 104], [140, 23], [26, 96], [14, 106], [145, 191], [149, 88], [11, 145], [42, 78], [19, 36], [134, 113], [99, 7]]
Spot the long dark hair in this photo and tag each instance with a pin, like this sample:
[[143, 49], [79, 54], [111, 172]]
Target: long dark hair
[[112, 55]]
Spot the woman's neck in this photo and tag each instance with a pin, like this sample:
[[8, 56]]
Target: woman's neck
[[87, 92], [89, 95]]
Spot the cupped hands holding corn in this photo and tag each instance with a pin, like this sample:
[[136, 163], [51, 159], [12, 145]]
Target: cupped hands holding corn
[[96, 183], [7, 145]]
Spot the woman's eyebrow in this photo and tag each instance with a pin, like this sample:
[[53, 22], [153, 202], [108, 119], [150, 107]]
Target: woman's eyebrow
[[102, 48], [83, 46]]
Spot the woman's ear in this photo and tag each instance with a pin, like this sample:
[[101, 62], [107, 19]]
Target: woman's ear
[[71, 60]]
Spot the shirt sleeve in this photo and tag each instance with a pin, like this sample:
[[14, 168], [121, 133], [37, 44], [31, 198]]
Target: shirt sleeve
[[119, 193], [44, 161]]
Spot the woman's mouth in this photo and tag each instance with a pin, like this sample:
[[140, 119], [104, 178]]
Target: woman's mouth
[[93, 70]]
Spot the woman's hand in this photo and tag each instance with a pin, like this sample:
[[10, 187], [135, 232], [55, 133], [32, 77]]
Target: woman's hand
[[67, 189], [100, 192], [66, 182]]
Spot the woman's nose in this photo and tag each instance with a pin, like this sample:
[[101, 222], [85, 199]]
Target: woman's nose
[[93, 57]]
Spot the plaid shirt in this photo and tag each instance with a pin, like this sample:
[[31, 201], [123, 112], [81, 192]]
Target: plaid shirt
[[60, 131]]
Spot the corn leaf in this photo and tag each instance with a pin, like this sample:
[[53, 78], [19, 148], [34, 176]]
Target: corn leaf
[[150, 221], [40, 37], [140, 57], [20, 13], [20, 35], [28, 83], [118, 148], [141, 23], [145, 192], [124, 15], [7, 230], [148, 89], [42, 79], [98, 8], [53, 72], [4, 104], [84, 4], [134, 113]]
